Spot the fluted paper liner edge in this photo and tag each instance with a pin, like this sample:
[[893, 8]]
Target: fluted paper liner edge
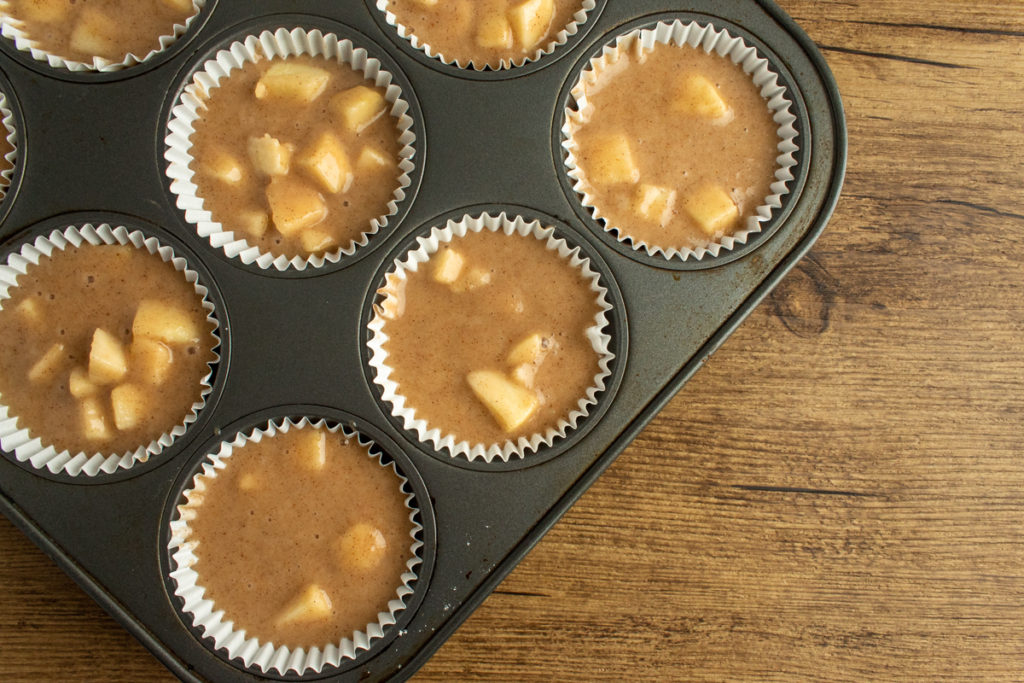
[[560, 38], [218, 627], [13, 139], [706, 37], [19, 440], [14, 30], [597, 334], [280, 43]]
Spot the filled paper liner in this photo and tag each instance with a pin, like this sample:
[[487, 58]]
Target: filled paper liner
[[219, 627], [707, 38], [7, 119], [278, 44], [28, 447], [597, 334], [15, 30], [560, 38]]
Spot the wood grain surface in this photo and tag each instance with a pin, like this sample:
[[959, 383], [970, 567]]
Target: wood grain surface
[[839, 493]]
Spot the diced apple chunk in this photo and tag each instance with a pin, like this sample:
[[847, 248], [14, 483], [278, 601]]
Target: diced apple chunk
[[29, 311], [312, 449], [514, 303], [130, 406], [253, 223], [108, 362], [509, 403], [248, 482], [372, 159], [392, 305], [448, 267], [95, 34], [495, 32], [286, 80], [531, 20], [525, 374], [475, 278], [165, 322], [712, 208], [93, 420], [316, 241], [294, 205], [362, 547], [222, 166], [611, 161], [44, 369], [180, 5], [45, 11], [358, 107], [654, 203], [313, 604], [697, 96], [532, 349], [80, 385], [269, 155], [327, 163], [151, 360]]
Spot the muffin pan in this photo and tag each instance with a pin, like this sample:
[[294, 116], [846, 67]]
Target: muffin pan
[[294, 343]]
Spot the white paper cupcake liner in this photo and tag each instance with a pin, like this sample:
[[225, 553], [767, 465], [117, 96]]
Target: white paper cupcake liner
[[561, 38], [597, 334], [219, 627], [18, 440], [7, 119], [281, 43], [14, 29], [707, 38]]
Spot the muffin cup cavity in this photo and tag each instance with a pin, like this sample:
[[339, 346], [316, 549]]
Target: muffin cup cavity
[[560, 38], [30, 448], [706, 37], [15, 30], [278, 44], [230, 638], [597, 334]]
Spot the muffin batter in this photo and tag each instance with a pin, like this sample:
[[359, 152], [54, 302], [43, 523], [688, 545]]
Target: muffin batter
[[302, 538], [297, 156], [485, 32], [690, 158], [104, 349], [79, 30], [513, 310]]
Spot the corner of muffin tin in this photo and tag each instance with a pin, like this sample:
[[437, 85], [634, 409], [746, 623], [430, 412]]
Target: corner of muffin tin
[[8, 48], [290, 21], [388, 449], [620, 267], [617, 324], [218, 369], [802, 154]]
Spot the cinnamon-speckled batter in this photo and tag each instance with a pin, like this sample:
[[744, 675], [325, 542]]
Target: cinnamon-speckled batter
[[60, 303], [445, 332], [79, 30], [301, 509], [457, 29], [636, 97], [233, 116]]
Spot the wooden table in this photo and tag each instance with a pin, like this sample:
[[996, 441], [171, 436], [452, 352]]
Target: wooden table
[[839, 493]]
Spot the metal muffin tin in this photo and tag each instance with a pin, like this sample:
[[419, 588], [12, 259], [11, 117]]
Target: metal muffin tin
[[294, 343]]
